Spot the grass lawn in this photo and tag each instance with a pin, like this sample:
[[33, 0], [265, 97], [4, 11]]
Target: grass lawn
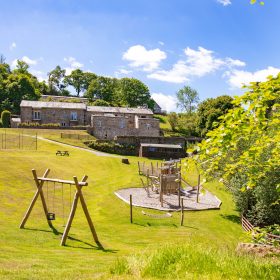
[[34, 252]]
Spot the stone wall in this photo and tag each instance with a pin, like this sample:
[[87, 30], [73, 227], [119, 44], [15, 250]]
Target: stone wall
[[110, 126], [53, 115]]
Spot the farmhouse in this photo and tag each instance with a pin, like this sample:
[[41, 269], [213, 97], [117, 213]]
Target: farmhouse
[[102, 122]]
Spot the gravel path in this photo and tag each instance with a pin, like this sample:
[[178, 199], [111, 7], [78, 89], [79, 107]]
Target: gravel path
[[140, 198]]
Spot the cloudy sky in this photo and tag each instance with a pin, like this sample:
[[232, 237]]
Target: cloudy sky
[[212, 45]]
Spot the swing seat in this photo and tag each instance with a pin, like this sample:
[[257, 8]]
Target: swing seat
[[51, 216]]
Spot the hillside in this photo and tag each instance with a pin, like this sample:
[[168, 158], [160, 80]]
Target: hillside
[[34, 252]]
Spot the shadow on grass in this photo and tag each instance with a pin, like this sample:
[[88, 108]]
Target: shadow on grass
[[90, 246], [233, 218]]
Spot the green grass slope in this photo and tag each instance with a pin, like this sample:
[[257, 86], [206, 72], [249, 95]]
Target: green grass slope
[[34, 252]]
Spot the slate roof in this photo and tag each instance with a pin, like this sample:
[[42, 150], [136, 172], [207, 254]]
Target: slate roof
[[43, 104], [122, 110], [161, 145]]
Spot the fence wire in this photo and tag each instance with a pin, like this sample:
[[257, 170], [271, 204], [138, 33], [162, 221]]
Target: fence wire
[[17, 141]]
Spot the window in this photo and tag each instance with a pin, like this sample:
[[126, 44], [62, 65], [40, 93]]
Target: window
[[74, 116], [63, 124], [122, 124], [148, 126], [36, 115]]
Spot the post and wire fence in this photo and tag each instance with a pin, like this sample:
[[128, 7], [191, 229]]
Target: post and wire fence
[[18, 141]]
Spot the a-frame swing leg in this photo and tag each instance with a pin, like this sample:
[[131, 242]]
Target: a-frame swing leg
[[78, 195], [39, 186]]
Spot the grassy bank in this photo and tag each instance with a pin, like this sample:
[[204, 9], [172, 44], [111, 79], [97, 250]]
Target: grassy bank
[[34, 252]]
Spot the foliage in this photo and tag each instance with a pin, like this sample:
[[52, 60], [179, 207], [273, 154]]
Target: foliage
[[20, 84], [210, 110], [77, 80], [133, 93], [187, 124], [100, 102], [260, 235], [244, 150], [112, 147], [187, 99], [56, 81], [37, 125], [102, 88], [173, 120], [6, 118], [175, 261], [256, 1]]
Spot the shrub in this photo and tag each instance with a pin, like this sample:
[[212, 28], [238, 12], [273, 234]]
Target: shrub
[[37, 125], [112, 147], [244, 151], [6, 118], [100, 102]]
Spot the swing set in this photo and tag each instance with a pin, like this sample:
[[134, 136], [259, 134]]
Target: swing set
[[50, 216]]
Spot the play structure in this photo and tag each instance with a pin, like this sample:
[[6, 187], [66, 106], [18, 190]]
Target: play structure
[[50, 215], [164, 188]]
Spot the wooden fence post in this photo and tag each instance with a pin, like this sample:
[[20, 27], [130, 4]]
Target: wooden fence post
[[130, 202], [198, 188], [182, 212]]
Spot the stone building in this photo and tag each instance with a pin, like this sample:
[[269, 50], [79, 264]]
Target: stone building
[[109, 122], [65, 114], [103, 122]]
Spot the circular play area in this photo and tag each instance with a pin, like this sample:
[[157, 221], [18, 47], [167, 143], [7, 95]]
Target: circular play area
[[140, 198], [164, 189]]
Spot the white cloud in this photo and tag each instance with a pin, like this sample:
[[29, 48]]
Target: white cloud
[[161, 43], [73, 64], [224, 2], [178, 74], [166, 102], [41, 76], [13, 46], [237, 78], [235, 62], [26, 59], [140, 57], [122, 72], [198, 63]]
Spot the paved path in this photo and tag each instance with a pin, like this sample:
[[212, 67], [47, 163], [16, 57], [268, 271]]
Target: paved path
[[97, 153]]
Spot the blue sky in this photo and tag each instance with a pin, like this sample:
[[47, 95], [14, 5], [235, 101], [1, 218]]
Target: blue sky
[[212, 45]]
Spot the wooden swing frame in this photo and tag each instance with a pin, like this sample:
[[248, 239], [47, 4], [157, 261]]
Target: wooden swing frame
[[39, 181]]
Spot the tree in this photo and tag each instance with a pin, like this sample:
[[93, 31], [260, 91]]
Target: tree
[[173, 120], [187, 99], [187, 124], [100, 102], [77, 80], [101, 88], [21, 67], [6, 118], [210, 110], [19, 87], [55, 81], [132, 93], [244, 151]]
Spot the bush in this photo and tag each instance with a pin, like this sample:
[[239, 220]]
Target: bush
[[37, 125], [6, 118], [100, 102], [244, 151], [112, 147]]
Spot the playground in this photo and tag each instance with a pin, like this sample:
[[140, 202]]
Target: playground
[[36, 247]]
